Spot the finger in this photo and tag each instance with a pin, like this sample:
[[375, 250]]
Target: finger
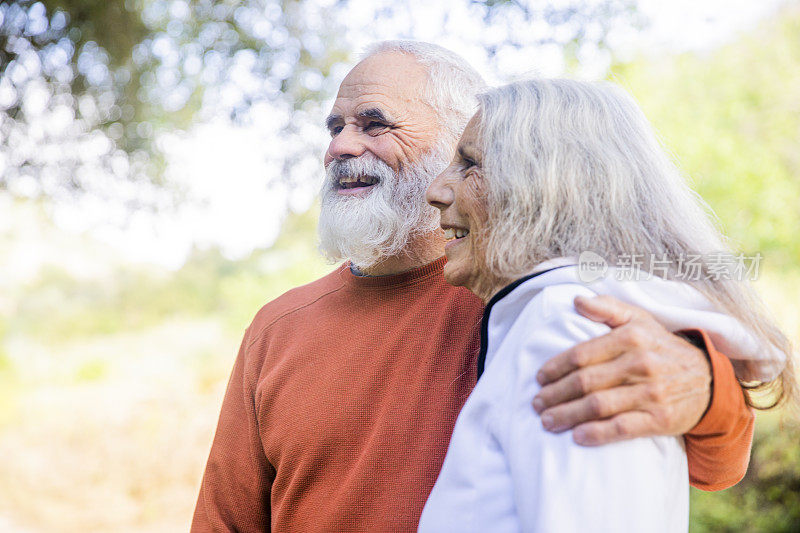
[[583, 381], [607, 310], [594, 351], [595, 406], [624, 426]]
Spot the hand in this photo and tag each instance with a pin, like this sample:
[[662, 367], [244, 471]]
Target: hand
[[637, 380]]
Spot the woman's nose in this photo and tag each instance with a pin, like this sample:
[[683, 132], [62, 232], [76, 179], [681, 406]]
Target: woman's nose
[[439, 194]]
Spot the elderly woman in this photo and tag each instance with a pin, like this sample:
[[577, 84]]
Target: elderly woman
[[545, 171]]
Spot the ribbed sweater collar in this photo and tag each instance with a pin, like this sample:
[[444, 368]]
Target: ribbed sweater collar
[[392, 280]]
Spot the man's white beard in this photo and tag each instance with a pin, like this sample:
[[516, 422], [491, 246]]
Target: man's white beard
[[368, 229]]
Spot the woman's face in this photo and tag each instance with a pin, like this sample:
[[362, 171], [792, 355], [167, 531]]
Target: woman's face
[[460, 195]]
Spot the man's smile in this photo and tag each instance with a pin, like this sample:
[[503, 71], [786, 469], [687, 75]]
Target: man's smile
[[355, 184]]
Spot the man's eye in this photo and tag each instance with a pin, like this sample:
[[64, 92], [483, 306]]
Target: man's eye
[[335, 130], [375, 125]]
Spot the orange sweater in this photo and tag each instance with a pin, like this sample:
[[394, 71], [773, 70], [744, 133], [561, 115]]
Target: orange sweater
[[343, 397]]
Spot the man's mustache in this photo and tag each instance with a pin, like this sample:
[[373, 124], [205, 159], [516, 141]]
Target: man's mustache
[[361, 166]]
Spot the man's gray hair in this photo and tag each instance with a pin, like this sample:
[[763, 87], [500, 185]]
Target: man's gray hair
[[452, 82], [573, 166]]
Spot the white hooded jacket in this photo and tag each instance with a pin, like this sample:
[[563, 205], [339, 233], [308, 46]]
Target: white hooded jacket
[[504, 473]]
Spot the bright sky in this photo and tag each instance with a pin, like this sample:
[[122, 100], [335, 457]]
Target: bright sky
[[227, 168]]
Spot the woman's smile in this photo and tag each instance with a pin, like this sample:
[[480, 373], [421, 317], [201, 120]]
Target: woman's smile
[[454, 236]]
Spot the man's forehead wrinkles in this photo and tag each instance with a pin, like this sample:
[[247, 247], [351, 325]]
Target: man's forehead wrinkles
[[394, 85], [367, 98], [395, 91]]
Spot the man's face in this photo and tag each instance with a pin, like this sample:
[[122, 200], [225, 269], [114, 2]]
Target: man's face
[[385, 150], [380, 110]]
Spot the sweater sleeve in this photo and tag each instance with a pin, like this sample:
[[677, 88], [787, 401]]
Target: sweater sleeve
[[235, 491], [718, 447]]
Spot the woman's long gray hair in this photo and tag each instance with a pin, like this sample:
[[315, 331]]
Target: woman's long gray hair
[[574, 166]]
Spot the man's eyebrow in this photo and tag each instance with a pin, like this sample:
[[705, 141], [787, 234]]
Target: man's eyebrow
[[332, 121], [377, 114]]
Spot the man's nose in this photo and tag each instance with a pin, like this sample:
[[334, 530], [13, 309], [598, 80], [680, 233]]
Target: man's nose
[[439, 194], [346, 144]]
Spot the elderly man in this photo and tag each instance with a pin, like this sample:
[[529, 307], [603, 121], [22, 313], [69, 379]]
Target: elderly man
[[345, 391]]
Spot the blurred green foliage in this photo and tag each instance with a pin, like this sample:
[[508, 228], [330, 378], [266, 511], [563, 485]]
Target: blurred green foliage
[[8, 382], [127, 70], [733, 119], [133, 298]]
